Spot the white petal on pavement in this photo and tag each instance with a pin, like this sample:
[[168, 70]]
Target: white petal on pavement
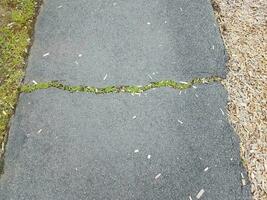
[[222, 111], [34, 82], [105, 77], [46, 54], [156, 177], [201, 192], [180, 121]]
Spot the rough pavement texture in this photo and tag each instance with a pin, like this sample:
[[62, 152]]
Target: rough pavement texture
[[127, 40], [82, 146], [86, 149]]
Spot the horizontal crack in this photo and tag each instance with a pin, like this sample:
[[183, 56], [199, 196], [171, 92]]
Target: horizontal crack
[[28, 88]]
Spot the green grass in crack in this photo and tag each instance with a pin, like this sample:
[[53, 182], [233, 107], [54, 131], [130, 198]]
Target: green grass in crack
[[16, 19], [28, 88]]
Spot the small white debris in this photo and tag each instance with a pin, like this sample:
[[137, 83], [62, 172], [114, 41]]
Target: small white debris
[[243, 179], [148, 23], [206, 169], [148, 156], [165, 22], [11, 24], [222, 111], [190, 198], [231, 159], [150, 76], [34, 82], [105, 77], [183, 82], [46, 54], [156, 177], [153, 73], [76, 169], [181, 9], [114, 4], [195, 87], [76, 62], [134, 117], [80, 55], [180, 121], [60, 6], [40, 131], [243, 182], [136, 151], [196, 95], [199, 195], [213, 47], [180, 92]]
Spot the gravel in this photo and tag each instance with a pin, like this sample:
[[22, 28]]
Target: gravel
[[243, 29]]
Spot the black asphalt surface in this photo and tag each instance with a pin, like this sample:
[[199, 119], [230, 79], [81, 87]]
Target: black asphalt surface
[[130, 41], [163, 144]]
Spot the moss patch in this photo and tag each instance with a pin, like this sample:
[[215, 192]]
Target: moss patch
[[27, 88], [17, 18]]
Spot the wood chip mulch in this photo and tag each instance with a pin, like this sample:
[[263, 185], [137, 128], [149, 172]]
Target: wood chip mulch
[[243, 25]]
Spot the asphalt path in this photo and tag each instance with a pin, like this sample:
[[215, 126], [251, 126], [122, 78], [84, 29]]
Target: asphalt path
[[163, 144]]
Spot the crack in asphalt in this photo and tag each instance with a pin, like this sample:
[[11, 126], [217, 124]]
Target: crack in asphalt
[[133, 89]]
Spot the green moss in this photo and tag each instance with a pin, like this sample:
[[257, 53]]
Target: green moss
[[27, 88], [15, 31]]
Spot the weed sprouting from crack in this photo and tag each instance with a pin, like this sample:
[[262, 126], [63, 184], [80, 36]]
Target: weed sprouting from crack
[[133, 89]]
